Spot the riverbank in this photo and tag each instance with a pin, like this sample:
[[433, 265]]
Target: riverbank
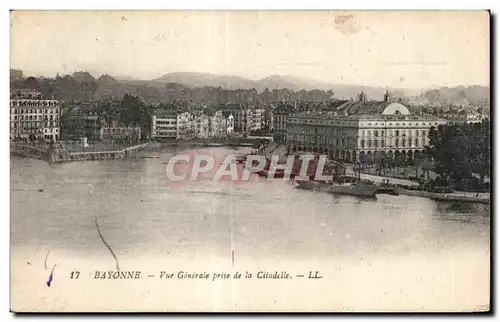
[[59, 154], [483, 198], [28, 151], [199, 143]]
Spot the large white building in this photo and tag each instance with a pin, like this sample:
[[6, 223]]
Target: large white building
[[246, 119], [34, 119], [361, 131], [201, 124], [172, 125]]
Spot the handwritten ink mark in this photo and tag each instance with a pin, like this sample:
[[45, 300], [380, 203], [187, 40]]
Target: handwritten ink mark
[[47, 256], [107, 245], [51, 276]]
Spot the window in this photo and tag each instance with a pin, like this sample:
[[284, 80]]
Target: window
[[376, 143], [375, 133], [416, 142], [382, 143], [404, 142], [418, 132], [381, 133], [397, 143], [362, 143], [397, 132]]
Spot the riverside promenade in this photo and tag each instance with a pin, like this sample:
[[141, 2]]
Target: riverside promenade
[[483, 198]]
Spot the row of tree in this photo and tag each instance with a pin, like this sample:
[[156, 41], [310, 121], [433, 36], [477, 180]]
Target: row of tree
[[81, 86], [130, 111], [455, 153], [459, 151]]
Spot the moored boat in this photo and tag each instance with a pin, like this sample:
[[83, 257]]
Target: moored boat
[[278, 173], [387, 190], [353, 189]]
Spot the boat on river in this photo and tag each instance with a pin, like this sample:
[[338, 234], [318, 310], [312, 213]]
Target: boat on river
[[358, 189], [383, 189]]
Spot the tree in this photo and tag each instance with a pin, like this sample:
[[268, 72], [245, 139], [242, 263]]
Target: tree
[[460, 150], [480, 149]]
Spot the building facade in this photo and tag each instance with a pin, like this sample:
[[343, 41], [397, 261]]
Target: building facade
[[246, 118], [172, 125], [361, 132], [256, 119], [280, 119], [115, 131], [216, 124], [34, 119], [201, 122], [229, 124], [464, 117]]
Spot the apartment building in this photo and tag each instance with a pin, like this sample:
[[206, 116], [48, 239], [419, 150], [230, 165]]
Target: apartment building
[[172, 125], [33, 118]]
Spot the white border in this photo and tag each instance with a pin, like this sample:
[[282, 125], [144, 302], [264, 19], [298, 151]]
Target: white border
[[192, 4]]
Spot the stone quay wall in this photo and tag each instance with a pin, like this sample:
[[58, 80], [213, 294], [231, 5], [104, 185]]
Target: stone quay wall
[[57, 154]]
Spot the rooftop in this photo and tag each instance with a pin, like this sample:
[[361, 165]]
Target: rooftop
[[340, 116]]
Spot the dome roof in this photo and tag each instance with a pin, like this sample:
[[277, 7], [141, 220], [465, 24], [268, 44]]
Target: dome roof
[[396, 108]]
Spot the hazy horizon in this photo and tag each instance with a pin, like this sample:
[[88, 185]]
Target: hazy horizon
[[405, 49]]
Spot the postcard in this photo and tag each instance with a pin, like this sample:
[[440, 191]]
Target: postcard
[[250, 161]]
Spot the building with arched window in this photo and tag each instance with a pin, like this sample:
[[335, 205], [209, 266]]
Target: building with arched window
[[361, 131]]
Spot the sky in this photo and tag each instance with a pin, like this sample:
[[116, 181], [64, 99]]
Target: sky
[[407, 49]]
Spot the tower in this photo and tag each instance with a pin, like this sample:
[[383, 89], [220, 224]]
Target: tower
[[362, 96], [386, 95]]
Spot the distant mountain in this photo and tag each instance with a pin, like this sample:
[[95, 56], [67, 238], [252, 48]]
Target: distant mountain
[[83, 77], [459, 95], [205, 79], [210, 88], [124, 78], [109, 88], [272, 82]]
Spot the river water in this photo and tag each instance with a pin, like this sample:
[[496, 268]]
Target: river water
[[395, 253]]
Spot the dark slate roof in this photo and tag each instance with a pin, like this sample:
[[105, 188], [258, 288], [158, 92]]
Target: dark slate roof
[[363, 107], [163, 111], [284, 109]]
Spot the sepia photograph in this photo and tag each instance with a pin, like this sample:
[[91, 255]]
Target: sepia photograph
[[250, 161]]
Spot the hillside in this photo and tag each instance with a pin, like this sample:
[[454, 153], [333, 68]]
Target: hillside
[[216, 89]]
